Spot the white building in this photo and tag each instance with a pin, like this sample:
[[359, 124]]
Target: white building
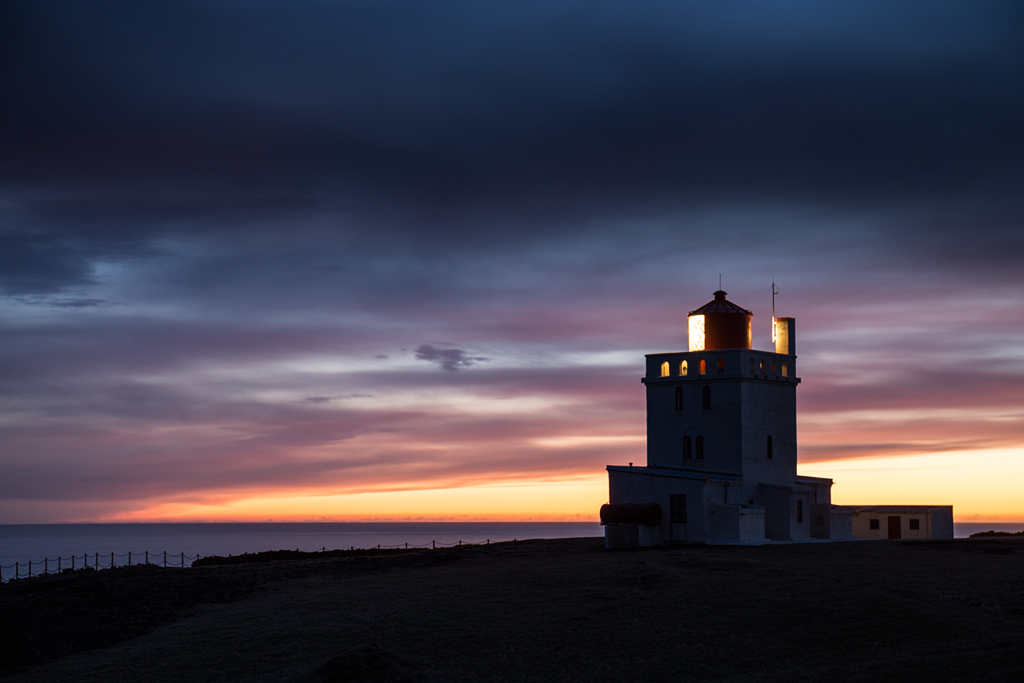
[[721, 445]]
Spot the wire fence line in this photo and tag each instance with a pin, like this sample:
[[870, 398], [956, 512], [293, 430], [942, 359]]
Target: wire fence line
[[59, 564]]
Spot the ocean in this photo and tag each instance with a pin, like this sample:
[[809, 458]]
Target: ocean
[[21, 543]]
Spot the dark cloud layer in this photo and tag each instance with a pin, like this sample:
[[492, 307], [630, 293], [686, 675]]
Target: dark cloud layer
[[224, 225]]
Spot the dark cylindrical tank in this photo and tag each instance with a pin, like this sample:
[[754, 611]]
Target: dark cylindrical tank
[[726, 325], [631, 513]]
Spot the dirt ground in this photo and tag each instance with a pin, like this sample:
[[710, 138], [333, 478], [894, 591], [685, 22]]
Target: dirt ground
[[553, 610]]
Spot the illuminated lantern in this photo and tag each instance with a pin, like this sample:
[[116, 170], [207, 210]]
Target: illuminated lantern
[[720, 324]]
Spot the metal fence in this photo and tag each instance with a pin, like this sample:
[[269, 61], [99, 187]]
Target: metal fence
[[57, 565]]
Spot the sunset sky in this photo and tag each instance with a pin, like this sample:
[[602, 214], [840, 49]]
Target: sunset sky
[[402, 259]]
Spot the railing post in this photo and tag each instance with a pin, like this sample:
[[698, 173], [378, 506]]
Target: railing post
[[147, 557], [72, 562], [129, 558], [433, 545], [165, 558], [30, 569], [46, 565], [17, 571], [111, 559], [58, 564]]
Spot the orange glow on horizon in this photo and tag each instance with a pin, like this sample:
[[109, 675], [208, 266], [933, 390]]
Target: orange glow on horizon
[[982, 486], [542, 501]]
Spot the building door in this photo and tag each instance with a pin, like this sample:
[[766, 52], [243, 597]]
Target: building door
[[894, 527]]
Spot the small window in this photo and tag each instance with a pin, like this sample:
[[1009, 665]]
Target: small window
[[873, 524], [769, 447], [752, 368], [762, 366], [700, 447], [679, 398], [773, 368], [785, 372], [677, 507], [706, 395], [915, 525], [683, 369], [687, 450], [720, 365], [799, 512], [703, 367], [664, 369]]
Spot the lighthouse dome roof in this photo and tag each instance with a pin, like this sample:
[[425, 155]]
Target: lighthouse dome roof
[[720, 305]]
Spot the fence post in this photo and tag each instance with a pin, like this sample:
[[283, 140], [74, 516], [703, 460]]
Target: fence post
[[147, 556], [129, 558], [58, 563], [433, 545], [111, 559], [30, 569], [46, 565], [460, 542], [165, 558], [182, 559], [17, 571]]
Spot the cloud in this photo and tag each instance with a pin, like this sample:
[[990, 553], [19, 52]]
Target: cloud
[[449, 359]]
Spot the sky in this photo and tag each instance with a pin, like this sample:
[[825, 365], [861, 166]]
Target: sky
[[395, 259]]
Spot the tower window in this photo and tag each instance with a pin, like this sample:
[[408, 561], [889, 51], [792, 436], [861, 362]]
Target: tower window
[[799, 512], [679, 398], [773, 368], [700, 447], [785, 372], [769, 447], [762, 366], [752, 368], [683, 369], [677, 508], [706, 395], [720, 365], [703, 367], [687, 450], [664, 369]]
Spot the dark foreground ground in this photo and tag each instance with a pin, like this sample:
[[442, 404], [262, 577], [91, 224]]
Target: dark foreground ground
[[555, 610]]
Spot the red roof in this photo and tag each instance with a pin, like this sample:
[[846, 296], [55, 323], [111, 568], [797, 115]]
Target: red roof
[[720, 305]]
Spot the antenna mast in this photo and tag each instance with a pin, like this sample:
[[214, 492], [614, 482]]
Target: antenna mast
[[774, 292]]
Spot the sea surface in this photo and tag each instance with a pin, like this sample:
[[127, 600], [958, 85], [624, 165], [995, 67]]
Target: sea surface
[[21, 543]]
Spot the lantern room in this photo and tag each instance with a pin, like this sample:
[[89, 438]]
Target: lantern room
[[720, 324]]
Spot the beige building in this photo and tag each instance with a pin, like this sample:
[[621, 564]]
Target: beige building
[[899, 521]]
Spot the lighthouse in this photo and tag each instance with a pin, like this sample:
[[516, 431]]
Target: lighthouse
[[721, 442]]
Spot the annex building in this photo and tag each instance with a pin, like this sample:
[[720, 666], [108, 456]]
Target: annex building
[[722, 450]]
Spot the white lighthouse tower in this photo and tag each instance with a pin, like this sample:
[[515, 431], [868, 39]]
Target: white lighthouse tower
[[721, 443]]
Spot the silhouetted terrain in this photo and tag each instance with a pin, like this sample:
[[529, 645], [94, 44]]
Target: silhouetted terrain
[[550, 610]]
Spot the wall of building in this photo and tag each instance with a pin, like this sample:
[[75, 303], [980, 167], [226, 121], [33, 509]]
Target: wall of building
[[862, 524]]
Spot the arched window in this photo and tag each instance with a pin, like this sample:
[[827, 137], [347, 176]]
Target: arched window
[[687, 454], [683, 369], [752, 369], [703, 367], [762, 366], [773, 369], [799, 511], [769, 447], [700, 447], [706, 395], [664, 369], [785, 372], [679, 398], [720, 365]]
